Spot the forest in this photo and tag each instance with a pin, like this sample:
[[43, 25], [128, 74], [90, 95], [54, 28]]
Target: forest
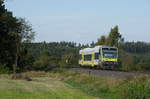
[[132, 55], [18, 53]]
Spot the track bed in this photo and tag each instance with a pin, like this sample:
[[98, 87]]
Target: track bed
[[109, 73]]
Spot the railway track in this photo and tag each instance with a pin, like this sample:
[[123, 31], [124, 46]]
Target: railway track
[[109, 73]]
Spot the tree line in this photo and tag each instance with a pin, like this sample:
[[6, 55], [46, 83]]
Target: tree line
[[54, 54], [137, 47]]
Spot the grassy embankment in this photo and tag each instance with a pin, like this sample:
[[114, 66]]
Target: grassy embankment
[[137, 87], [63, 84], [41, 87]]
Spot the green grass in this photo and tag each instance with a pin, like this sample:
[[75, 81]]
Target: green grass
[[39, 88], [137, 87], [64, 84]]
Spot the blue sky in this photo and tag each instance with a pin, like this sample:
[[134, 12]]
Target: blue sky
[[84, 21]]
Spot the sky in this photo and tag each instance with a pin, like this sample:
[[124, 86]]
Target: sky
[[84, 21]]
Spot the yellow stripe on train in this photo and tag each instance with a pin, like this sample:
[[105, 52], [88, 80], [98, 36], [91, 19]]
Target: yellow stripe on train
[[109, 59], [88, 63]]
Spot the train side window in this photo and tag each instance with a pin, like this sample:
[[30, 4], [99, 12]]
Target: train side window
[[99, 51], [87, 57], [96, 55], [90, 57]]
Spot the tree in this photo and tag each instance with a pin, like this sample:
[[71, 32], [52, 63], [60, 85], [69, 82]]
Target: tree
[[7, 22], [22, 33], [2, 7], [101, 40], [13, 33], [92, 44], [44, 61], [114, 37], [25, 60]]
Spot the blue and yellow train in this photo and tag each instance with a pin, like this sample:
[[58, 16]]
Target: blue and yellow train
[[105, 57]]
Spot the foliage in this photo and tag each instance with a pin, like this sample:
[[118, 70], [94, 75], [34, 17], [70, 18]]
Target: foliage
[[137, 47], [92, 44], [44, 61], [25, 30], [13, 32], [114, 38], [7, 22], [101, 40], [4, 69], [25, 61], [57, 52], [137, 87], [69, 60], [134, 62], [55, 49]]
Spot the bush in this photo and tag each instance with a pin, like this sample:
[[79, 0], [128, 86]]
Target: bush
[[45, 62], [4, 69]]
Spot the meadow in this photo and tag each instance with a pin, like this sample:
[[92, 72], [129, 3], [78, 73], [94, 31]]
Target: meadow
[[39, 88], [64, 84]]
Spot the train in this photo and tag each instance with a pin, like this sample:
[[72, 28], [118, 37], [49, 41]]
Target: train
[[104, 57]]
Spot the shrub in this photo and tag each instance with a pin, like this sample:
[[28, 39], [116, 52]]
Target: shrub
[[4, 69]]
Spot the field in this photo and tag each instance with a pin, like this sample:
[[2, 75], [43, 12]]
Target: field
[[39, 88], [64, 84]]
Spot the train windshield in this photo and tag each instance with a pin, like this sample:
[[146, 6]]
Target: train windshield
[[109, 52]]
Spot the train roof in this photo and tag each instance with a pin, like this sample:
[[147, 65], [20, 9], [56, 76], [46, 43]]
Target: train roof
[[95, 49]]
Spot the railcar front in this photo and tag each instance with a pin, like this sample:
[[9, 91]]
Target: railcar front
[[109, 57]]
